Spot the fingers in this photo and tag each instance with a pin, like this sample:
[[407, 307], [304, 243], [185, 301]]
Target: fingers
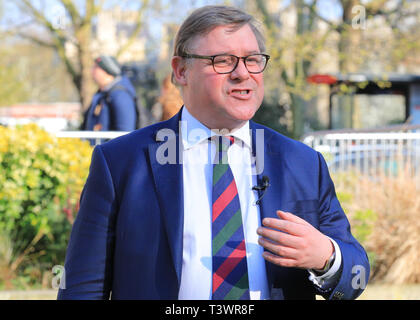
[[279, 250], [292, 226], [293, 242], [290, 217], [282, 238], [281, 261]]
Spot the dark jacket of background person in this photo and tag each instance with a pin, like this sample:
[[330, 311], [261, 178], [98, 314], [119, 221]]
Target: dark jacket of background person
[[113, 109]]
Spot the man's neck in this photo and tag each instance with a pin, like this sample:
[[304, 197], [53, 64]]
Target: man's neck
[[226, 127], [108, 84]]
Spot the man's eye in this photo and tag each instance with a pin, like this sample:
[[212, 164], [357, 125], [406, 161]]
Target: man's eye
[[253, 60], [223, 60]]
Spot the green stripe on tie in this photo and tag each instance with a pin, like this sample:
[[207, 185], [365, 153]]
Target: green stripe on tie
[[228, 230], [218, 172], [239, 289]]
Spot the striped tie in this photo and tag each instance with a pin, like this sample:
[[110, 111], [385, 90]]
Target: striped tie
[[230, 272]]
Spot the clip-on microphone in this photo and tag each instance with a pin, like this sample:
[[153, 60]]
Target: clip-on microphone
[[263, 187]]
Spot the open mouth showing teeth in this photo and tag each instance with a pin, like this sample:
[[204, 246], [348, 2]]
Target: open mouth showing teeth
[[241, 91]]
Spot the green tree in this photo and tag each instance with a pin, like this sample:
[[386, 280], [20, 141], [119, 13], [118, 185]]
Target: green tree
[[292, 57], [295, 52], [12, 81]]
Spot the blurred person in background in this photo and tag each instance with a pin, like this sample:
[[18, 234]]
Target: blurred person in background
[[113, 107], [169, 102]]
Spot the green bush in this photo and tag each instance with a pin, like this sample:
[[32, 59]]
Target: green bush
[[41, 178]]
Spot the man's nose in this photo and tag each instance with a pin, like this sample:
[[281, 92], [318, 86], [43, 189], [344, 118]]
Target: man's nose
[[240, 72]]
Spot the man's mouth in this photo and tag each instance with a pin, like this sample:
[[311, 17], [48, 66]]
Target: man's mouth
[[240, 93], [243, 91]]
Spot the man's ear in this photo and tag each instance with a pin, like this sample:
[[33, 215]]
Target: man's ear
[[179, 68]]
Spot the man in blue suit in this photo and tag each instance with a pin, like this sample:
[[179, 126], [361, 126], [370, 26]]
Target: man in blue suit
[[153, 213]]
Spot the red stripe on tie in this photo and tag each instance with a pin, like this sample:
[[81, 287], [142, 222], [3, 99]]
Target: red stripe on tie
[[225, 198], [228, 265]]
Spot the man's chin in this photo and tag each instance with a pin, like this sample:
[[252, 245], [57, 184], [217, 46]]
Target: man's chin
[[238, 120], [243, 113]]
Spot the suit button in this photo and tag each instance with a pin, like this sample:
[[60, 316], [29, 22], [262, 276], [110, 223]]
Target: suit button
[[337, 295]]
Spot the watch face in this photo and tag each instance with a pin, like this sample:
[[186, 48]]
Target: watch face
[[327, 266], [330, 261]]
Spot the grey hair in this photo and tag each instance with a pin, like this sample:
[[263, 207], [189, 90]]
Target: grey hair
[[203, 20]]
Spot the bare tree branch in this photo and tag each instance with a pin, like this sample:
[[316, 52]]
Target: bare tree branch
[[38, 16], [91, 10], [376, 7], [72, 10], [136, 31], [59, 38], [314, 13], [35, 40], [267, 19]]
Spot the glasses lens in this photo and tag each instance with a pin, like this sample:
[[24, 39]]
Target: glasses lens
[[224, 63], [255, 63]]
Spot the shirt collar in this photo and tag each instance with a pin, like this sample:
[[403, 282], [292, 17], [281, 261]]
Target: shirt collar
[[194, 132]]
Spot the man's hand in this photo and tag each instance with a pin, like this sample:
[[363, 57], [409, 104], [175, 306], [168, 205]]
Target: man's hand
[[294, 242]]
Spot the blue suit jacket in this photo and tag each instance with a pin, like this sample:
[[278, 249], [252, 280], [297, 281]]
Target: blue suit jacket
[[126, 241]]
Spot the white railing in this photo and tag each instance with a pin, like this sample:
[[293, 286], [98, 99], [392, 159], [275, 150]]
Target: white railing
[[96, 136], [370, 153]]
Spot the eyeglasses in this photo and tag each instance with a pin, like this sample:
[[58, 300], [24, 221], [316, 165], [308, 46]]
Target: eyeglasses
[[227, 63]]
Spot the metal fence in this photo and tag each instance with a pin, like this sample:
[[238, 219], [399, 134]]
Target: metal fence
[[96, 136], [372, 153]]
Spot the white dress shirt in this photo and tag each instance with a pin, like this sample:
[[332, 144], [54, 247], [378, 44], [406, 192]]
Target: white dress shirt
[[198, 152]]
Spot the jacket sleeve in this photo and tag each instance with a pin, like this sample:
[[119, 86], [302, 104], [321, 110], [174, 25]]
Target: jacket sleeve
[[122, 111], [354, 270], [88, 264]]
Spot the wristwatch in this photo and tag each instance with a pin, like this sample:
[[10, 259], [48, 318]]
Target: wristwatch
[[327, 266]]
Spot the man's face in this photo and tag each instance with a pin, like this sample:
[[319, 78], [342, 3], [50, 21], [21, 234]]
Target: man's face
[[223, 101], [96, 73], [100, 76]]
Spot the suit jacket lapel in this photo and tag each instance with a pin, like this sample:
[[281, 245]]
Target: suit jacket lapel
[[269, 163], [166, 166]]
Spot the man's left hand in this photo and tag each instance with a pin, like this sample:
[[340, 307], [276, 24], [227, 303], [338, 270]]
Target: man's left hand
[[293, 242]]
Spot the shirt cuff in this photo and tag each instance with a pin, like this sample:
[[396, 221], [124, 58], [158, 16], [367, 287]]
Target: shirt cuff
[[330, 276]]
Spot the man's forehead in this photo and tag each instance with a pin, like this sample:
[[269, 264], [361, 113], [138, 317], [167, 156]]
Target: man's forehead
[[216, 41]]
